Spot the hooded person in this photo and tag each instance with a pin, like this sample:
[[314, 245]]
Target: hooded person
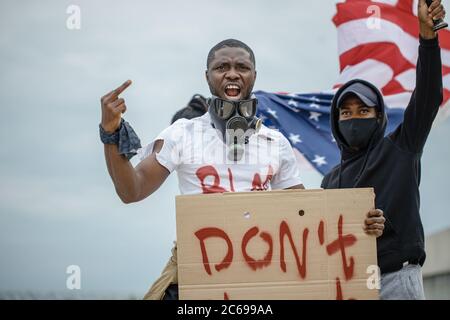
[[390, 164]]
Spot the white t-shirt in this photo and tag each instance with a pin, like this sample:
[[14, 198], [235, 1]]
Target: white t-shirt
[[197, 152]]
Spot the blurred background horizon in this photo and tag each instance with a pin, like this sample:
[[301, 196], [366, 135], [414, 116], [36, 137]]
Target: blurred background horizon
[[58, 205]]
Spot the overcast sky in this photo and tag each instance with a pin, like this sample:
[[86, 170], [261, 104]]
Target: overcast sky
[[58, 206]]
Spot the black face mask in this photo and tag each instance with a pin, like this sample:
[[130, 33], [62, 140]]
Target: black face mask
[[358, 132]]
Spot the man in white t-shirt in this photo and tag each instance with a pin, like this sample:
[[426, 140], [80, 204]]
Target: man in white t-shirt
[[195, 150], [227, 149]]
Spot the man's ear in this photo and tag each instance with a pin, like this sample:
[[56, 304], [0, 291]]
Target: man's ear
[[207, 76]]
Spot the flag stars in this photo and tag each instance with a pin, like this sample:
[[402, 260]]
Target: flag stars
[[293, 103], [314, 105], [272, 112], [314, 116], [295, 138], [319, 160]]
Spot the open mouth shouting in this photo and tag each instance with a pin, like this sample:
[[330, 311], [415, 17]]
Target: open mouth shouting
[[233, 91]]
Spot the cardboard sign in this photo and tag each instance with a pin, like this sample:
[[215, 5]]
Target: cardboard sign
[[292, 244]]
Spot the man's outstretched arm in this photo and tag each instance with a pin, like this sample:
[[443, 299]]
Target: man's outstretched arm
[[132, 184], [427, 96]]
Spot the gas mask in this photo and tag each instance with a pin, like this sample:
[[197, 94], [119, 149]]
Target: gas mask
[[236, 121]]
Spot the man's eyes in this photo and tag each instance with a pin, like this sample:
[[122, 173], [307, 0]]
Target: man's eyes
[[240, 67], [346, 113], [221, 67]]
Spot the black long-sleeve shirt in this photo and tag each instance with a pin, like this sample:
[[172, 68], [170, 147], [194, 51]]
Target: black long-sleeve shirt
[[392, 164]]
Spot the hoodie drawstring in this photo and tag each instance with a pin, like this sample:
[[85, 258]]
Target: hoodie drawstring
[[358, 176], [366, 157], [340, 168]]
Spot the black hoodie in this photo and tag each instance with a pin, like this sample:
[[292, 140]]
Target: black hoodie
[[391, 164]]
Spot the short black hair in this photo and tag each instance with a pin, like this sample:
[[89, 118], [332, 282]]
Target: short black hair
[[232, 43]]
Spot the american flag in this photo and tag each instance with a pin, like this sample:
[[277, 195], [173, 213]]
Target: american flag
[[305, 120], [378, 42]]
